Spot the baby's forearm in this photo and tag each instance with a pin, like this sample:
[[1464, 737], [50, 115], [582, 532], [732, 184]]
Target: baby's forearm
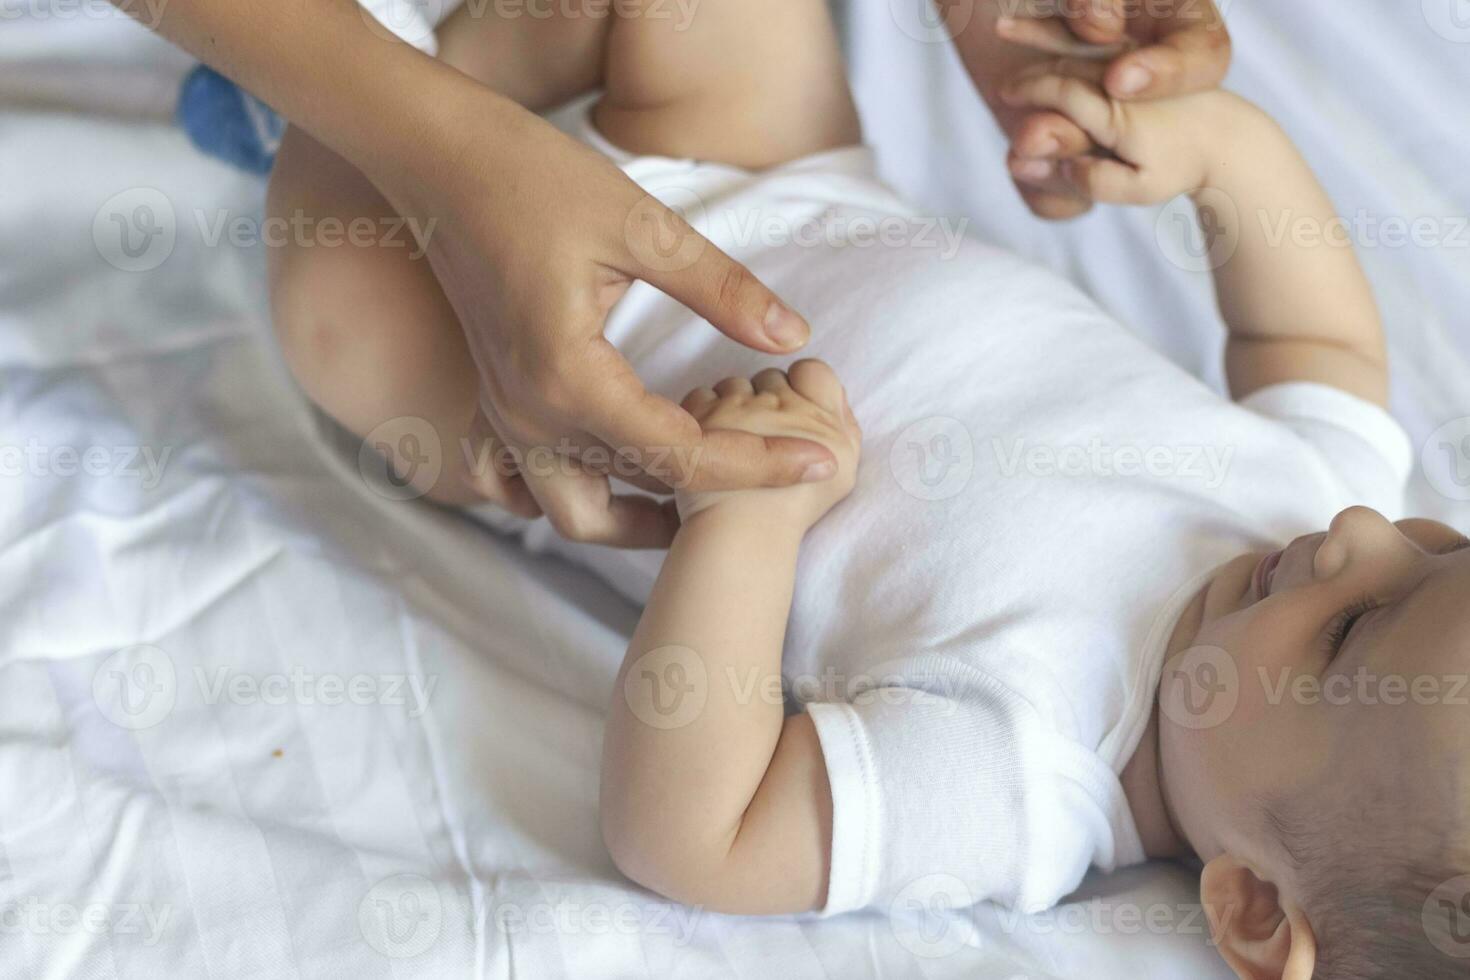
[[697, 719], [1290, 287]]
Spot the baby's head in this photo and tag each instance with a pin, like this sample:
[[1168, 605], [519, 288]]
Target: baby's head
[[1314, 744]]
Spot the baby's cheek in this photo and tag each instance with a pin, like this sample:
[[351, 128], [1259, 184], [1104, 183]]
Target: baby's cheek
[[1230, 678]]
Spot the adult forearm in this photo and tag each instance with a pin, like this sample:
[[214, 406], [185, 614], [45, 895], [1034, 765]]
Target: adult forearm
[[372, 98]]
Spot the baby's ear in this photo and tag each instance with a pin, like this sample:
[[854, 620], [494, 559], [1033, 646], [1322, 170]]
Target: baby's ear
[[1260, 937]]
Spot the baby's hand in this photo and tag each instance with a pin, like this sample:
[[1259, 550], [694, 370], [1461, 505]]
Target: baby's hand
[[1163, 148], [807, 402]]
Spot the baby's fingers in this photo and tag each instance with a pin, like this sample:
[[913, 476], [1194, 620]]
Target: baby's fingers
[[1105, 180], [1079, 98]]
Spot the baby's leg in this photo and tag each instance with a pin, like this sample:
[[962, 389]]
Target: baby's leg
[[752, 83], [367, 330]]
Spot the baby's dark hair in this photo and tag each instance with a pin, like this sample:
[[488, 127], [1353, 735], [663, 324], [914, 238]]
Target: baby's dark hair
[[1384, 880]]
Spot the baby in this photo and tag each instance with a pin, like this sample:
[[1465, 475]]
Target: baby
[[1042, 618]]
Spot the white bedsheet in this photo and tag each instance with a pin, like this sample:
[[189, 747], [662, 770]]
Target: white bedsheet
[[162, 817]]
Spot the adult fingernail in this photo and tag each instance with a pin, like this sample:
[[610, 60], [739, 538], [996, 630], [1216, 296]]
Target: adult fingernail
[[818, 472], [1047, 145], [785, 328], [1134, 79]]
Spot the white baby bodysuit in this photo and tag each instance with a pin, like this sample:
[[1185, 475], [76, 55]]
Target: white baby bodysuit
[[978, 630]]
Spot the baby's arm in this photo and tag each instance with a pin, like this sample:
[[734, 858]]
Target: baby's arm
[[1297, 306], [710, 794]]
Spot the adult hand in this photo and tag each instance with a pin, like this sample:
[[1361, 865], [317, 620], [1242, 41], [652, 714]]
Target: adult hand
[[535, 238], [1153, 49]]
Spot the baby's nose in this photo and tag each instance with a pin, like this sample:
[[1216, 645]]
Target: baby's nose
[[1354, 533]]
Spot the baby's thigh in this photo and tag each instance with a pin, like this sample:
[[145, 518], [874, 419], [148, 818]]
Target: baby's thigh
[[753, 83], [362, 321]]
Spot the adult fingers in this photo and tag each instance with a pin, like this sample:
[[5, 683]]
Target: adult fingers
[[1054, 205], [1054, 36], [665, 251], [1048, 136], [730, 458], [1191, 53], [668, 441], [582, 507], [493, 473], [1039, 142], [1097, 21]]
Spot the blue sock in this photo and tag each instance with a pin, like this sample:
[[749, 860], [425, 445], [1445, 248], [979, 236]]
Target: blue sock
[[228, 123]]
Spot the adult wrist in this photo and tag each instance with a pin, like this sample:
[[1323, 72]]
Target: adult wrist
[[430, 130]]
